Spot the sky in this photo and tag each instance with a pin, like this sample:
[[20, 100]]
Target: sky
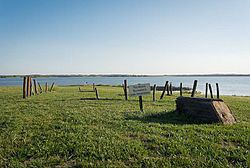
[[124, 37]]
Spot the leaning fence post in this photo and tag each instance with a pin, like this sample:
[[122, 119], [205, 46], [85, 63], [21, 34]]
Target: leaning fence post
[[164, 90], [206, 90], [24, 86], [211, 91], [218, 91], [53, 86], [41, 90], [154, 90], [125, 89], [34, 81], [194, 88]]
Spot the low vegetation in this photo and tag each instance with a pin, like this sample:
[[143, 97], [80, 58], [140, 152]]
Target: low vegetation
[[58, 129]]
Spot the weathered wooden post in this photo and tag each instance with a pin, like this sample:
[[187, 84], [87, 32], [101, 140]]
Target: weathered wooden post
[[30, 80], [96, 93], [24, 86], [125, 88], [31, 88], [180, 89], [140, 102], [53, 86], [211, 91], [41, 90], [164, 90], [206, 90], [218, 91], [154, 90], [170, 88], [46, 87], [194, 88], [28, 86], [34, 81], [93, 86]]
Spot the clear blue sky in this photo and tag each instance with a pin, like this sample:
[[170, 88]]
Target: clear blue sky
[[124, 36]]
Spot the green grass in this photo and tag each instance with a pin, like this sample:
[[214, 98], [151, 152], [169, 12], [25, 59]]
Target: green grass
[[59, 130]]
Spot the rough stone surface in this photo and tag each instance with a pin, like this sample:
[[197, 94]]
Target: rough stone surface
[[203, 109]]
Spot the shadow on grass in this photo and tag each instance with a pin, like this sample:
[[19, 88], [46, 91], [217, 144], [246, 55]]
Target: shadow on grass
[[65, 99], [171, 117], [100, 99], [87, 91]]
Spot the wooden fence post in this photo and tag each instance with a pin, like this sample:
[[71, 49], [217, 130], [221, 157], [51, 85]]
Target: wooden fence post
[[168, 89], [41, 90], [206, 90], [24, 86], [164, 90], [96, 93], [194, 88], [31, 88], [53, 86], [211, 91], [180, 89], [154, 90], [28, 86], [125, 88], [171, 88], [34, 81], [218, 91], [93, 86], [46, 87]]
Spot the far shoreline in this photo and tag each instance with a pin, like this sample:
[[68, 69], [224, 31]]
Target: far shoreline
[[127, 75]]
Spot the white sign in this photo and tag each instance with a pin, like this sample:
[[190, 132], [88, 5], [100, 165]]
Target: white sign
[[139, 89]]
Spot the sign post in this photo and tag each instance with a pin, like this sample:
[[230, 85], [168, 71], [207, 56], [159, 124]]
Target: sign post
[[139, 90], [140, 102]]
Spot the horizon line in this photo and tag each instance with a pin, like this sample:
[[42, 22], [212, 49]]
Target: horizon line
[[125, 74]]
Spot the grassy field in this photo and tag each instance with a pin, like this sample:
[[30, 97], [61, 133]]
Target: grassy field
[[58, 129]]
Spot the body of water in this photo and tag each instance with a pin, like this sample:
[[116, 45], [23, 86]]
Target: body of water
[[229, 85]]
